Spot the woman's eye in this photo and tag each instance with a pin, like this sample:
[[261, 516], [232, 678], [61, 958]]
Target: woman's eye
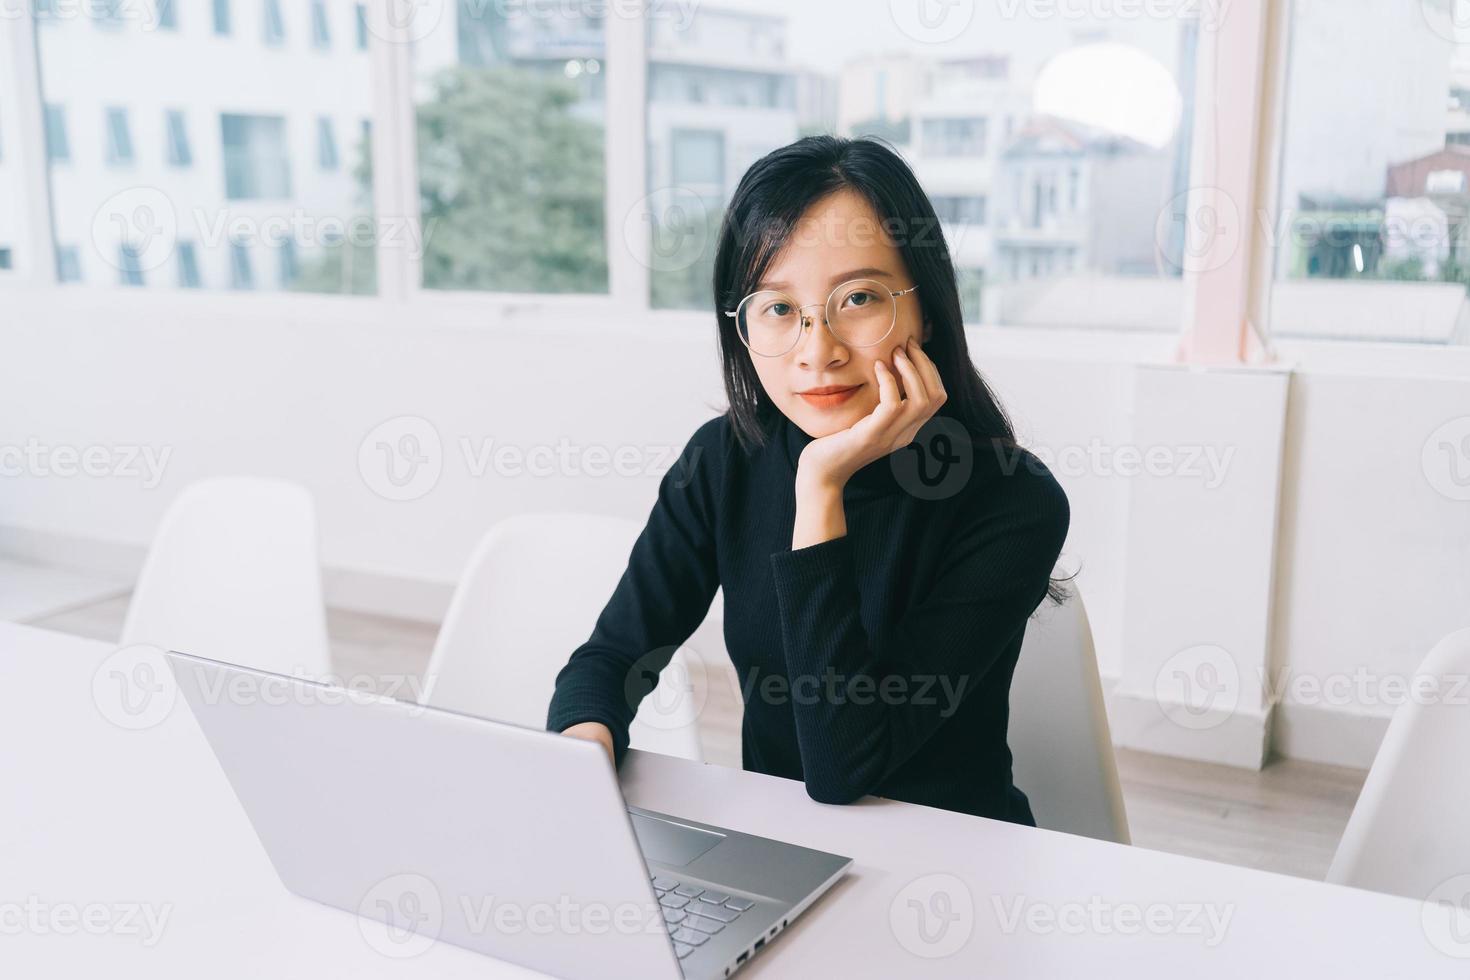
[[861, 299], [779, 309]]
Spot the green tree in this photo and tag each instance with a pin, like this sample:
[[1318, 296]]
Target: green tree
[[511, 178]]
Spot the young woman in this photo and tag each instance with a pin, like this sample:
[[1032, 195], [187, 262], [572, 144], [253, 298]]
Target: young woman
[[880, 539]]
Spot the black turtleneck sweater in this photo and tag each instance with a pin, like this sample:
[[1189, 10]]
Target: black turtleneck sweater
[[876, 663]]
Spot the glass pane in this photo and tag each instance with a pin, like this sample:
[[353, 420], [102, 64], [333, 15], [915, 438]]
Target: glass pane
[[186, 152], [1375, 174], [510, 127], [1054, 143]]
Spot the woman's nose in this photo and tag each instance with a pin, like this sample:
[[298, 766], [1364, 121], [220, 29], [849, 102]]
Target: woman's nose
[[818, 346]]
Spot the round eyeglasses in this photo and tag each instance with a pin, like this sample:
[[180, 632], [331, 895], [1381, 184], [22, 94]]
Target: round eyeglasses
[[859, 313]]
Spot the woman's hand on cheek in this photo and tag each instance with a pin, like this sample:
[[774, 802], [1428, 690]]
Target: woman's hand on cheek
[[831, 460]]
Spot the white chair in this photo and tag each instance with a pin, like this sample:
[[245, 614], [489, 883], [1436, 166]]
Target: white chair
[[1410, 830], [530, 595], [1059, 736], [232, 575]]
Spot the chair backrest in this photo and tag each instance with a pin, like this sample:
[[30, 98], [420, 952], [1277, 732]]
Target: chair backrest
[[1059, 736], [530, 595], [1410, 829], [232, 575]]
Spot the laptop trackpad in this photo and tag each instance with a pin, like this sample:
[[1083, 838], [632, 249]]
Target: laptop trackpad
[[663, 842]]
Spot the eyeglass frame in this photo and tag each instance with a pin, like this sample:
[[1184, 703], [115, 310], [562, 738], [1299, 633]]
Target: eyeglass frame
[[806, 320]]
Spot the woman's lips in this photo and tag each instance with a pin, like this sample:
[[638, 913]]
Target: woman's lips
[[829, 399]]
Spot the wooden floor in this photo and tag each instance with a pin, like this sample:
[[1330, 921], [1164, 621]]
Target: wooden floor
[[1286, 818]]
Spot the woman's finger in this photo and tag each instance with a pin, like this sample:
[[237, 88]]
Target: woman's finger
[[916, 405]]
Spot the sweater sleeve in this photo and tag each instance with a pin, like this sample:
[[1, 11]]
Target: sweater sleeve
[[662, 597], [894, 691]]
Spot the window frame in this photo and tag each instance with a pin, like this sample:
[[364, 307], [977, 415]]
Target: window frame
[[1224, 319]]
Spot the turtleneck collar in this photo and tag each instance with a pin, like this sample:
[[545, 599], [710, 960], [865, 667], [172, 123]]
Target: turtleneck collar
[[879, 477]]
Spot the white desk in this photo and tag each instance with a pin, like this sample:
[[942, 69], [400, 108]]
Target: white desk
[[92, 814]]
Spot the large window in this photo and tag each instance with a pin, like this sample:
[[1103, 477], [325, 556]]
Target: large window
[[1371, 239], [510, 134], [1051, 144], [187, 154]]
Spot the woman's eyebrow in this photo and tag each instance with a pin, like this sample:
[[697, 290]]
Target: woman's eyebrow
[[840, 277]]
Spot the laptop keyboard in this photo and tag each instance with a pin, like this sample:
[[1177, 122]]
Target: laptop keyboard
[[693, 914]]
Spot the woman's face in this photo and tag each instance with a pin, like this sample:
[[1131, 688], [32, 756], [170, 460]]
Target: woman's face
[[839, 238]]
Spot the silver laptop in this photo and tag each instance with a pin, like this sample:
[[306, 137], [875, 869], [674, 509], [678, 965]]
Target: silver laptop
[[506, 840]]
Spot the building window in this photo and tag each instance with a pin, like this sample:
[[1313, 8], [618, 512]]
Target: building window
[[119, 139], [326, 145], [168, 15], [321, 34], [698, 159], [222, 17], [241, 275], [68, 263], [362, 27], [179, 154], [130, 264], [188, 265], [960, 209], [257, 164], [275, 25], [963, 137], [7, 259], [58, 147]]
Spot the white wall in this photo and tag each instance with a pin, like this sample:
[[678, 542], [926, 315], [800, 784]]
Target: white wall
[[1373, 564]]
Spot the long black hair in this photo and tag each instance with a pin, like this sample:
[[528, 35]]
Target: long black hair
[[769, 202], [771, 199]]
